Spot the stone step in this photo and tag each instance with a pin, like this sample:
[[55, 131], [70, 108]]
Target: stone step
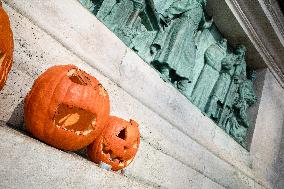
[[28, 163]]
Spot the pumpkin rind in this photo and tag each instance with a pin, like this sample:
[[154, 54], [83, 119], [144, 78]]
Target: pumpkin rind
[[6, 47], [113, 147], [54, 89]]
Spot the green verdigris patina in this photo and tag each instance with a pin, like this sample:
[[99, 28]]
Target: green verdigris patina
[[177, 39]]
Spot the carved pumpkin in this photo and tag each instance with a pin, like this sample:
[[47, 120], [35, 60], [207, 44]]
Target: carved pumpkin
[[6, 47], [117, 145], [66, 108]]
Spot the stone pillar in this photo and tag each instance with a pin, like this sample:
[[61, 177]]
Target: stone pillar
[[267, 137]]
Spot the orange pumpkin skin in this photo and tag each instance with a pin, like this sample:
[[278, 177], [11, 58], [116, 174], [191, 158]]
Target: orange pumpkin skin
[[118, 144], [66, 108], [6, 47]]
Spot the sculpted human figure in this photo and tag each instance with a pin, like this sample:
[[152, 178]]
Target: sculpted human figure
[[217, 98], [210, 73], [233, 128], [203, 39], [246, 98], [88, 4], [120, 17], [246, 95], [239, 72], [237, 122], [239, 97], [177, 46]]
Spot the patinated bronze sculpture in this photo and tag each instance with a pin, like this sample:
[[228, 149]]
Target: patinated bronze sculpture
[[178, 39]]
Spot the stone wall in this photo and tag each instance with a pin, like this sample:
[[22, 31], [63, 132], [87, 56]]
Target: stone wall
[[279, 166], [180, 147], [266, 143]]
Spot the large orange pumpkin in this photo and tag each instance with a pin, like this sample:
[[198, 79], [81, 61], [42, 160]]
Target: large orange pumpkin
[[118, 144], [6, 46], [66, 108]]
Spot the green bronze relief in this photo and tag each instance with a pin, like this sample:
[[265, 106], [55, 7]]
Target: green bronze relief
[[177, 38]]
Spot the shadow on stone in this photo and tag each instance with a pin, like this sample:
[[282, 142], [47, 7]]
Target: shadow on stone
[[82, 153], [253, 110], [16, 120]]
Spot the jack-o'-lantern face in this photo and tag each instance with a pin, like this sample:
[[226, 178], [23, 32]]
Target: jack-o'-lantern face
[[66, 108], [118, 144], [6, 47]]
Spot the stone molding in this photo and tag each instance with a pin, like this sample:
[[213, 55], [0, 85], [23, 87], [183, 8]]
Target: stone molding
[[275, 16], [242, 10]]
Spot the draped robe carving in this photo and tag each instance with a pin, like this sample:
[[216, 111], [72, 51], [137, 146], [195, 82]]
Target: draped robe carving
[[177, 41]]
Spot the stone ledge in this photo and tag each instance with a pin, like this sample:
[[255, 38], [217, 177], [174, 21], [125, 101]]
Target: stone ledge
[[27, 163]]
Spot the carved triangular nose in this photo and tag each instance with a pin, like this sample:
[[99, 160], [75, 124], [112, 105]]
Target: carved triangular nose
[[122, 134]]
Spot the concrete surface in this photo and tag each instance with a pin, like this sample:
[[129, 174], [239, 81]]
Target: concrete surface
[[27, 163]]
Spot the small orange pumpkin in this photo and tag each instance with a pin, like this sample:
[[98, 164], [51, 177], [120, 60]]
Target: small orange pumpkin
[[6, 46], [118, 144], [66, 108]]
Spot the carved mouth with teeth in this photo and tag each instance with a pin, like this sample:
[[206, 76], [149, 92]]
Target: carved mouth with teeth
[[113, 157], [118, 144]]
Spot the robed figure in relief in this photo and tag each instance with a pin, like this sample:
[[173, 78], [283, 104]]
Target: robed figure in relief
[[177, 40]]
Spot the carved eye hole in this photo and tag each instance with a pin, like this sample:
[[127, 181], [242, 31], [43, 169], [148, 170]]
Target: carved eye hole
[[122, 134], [74, 119], [77, 77]]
